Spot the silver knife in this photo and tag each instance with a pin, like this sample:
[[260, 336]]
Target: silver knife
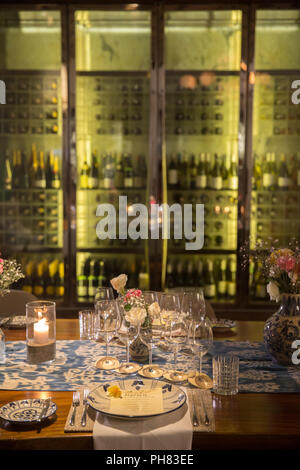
[[44, 409], [206, 418]]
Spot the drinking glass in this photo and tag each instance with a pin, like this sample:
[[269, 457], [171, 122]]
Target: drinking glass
[[178, 330], [192, 310], [169, 307], [104, 293], [226, 375], [108, 325], [202, 341], [86, 324]]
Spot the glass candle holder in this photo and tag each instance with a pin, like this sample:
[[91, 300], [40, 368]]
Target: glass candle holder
[[40, 331]]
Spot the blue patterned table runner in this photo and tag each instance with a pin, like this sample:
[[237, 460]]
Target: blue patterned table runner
[[74, 367]]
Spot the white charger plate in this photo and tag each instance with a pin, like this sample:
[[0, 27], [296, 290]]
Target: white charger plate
[[173, 396]]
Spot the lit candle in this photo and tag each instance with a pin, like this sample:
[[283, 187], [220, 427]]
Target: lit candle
[[41, 331]]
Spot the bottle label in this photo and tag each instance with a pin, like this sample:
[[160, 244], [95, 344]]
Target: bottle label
[[233, 182], [267, 180], [201, 181], [173, 176], [38, 290], [93, 183], [84, 182], [222, 287], [210, 290], [216, 182], [107, 183], [81, 291], [231, 288], [128, 182], [283, 182], [55, 184]]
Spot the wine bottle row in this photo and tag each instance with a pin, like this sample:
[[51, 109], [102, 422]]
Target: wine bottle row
[[22, 172], [217, 276], [276, 171], [202, 171], [95, 272], [113, 171], [44, 279]]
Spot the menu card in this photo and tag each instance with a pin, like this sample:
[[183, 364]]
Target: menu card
[[138, 402]]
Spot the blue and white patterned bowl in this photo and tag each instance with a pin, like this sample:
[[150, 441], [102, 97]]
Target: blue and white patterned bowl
[[26, 411]]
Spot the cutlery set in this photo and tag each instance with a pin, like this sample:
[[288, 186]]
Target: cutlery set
[[195, 419], [75, 405]]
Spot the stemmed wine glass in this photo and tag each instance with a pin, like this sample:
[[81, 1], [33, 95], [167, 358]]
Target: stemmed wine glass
[[178, 331], [202, 341], [104, 293], [192, 310], [170, 308], [108, 316]]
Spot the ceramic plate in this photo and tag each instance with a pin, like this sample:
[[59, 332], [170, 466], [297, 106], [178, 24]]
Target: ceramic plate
[[25, 411], [173, 397], [223, 324]]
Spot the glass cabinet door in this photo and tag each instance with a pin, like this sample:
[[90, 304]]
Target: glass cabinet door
[[31, 199], [113, 63], [275, 208], [202, 82]]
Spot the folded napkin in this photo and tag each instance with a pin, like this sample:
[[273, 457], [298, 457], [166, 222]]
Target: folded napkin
[[172, 431]]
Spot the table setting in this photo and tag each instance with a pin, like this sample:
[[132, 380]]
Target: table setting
[[143, 374]]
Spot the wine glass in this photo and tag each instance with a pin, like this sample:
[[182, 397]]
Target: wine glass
[[192, 310], [202, 341], [178, 330], [170, 308], [104, 293], [108, 325]]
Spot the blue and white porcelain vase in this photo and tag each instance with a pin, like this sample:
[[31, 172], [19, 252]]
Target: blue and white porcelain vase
[[282, 329]]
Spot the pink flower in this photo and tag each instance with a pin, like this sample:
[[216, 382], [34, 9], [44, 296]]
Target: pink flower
[[287, 263], [133, 293], [1, 265]]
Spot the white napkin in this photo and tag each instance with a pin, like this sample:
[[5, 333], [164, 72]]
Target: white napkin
[[171, 431]]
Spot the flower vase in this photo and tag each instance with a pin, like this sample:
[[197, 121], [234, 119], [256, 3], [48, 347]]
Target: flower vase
[[138, 349], [282, 329]]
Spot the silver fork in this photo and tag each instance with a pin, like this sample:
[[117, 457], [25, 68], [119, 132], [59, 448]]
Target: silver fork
[[85, 404], [75, 404]]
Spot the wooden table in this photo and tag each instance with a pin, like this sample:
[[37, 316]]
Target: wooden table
[[244, 421]]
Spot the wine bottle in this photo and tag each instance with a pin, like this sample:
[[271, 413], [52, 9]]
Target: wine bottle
[[119, 175], [216, 180], [102, 278], [128, 172], [224, 172], [15, 173], [200, 274], [24, 183], [109, 173], [82, 282], [179, 274], [284, 177], [222, 280], [40, 179], [231, 279], [172, 172], [84, 175], [260, 286], [93, 175], [201, 178], [50, 280], [7, 173], [93, 279], [267, 172], [190, 277], [233, 180], [256, 174], [38, 281], [209, 282], [143, 277], [274, 173], [185, 180], [33, 167], [193, 172], [55, 178], [27, 284], [170, 284], [59, 281]]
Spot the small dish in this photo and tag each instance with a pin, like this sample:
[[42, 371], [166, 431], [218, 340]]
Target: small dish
[[26, 411], [223, 324]]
